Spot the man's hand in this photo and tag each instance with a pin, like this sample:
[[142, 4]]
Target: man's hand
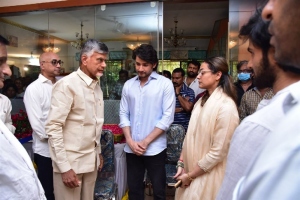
[[178, 89], [143, 145], [136, 148], [101, 162], [70, 179]]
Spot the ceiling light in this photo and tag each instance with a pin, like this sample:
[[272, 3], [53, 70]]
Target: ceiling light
[[49, 47], [78, 44], [33, 61], [175, 38], [134, 44], [103, 7], [152, 4], [232, 44]]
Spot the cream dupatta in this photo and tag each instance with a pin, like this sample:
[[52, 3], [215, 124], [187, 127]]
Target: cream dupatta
[[206, 143]]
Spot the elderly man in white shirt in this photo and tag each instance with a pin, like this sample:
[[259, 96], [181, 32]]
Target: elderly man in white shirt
[[18, 178], [37, 101]]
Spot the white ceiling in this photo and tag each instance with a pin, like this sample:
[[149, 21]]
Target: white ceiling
[[128, 21]]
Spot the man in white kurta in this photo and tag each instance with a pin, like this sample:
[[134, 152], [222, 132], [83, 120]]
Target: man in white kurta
[[18, 179], [5, 113], [250, 135]]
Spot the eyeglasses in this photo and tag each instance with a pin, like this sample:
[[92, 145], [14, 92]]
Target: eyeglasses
[[54, 62], [245, 71], [202, 72]]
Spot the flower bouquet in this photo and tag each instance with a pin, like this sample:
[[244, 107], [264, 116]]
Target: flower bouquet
[[23, 129], [116, 130]]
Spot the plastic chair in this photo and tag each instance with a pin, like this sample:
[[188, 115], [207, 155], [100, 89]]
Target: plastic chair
[[105, 187], [175, 137]]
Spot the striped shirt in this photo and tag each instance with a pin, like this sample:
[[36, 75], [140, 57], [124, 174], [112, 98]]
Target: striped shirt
[[183, 117]]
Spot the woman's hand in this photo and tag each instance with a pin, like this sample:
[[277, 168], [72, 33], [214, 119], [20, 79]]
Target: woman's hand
[[180, 171], [185, 180]]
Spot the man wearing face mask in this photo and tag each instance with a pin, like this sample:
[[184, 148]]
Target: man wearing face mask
[[244, 83]]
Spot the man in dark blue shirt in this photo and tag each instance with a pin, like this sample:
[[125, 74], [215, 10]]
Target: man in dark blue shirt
[[184, 98]]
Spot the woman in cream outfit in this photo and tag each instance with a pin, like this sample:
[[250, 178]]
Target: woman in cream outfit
[[213, 121]]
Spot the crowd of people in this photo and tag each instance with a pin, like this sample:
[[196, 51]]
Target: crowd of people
[[241, 140]]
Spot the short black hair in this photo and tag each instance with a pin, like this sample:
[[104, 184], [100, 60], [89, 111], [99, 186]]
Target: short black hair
[[3, 40], [241, 63], [256, 30], [147, 53], [123, 71], [168, 73], [194, 62], [179, 70]]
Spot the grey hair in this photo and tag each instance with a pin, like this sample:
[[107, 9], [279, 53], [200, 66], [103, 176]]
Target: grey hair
[[91, 46]]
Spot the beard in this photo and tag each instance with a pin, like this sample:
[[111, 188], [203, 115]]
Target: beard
[[265, 76], [192, 74]]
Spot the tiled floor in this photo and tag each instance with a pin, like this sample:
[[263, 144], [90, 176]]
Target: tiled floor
[[170, 191]]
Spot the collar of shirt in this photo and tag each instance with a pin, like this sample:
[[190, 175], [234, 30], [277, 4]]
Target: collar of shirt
[[184, 87], [88, 80], [257, 91], [191, 82], [295, 92], [44, 79], [153, 75]]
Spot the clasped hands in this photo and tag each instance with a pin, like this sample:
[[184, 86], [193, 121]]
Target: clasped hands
[[181, 175], [138, 148]]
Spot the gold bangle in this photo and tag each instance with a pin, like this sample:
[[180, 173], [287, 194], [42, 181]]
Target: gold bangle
[[189, 177]]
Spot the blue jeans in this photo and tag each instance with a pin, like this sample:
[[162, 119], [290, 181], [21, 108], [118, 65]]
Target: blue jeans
[[155, 166]]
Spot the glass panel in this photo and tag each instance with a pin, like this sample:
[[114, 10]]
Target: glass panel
[[119, 26]]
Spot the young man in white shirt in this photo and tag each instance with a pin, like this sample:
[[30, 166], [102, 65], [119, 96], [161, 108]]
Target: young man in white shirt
[[37, 101], [146, 111]]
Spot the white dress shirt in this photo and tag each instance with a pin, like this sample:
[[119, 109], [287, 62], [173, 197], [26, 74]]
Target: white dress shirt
[[37, 100], [147, 107], [248, 138], [18, 179], [5, 113], [274, 171], [195, 86]]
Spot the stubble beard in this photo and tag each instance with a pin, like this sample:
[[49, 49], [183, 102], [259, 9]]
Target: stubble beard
[[266, 76], [192, 75]]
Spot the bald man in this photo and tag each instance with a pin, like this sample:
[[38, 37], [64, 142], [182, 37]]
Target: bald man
[[37, 101]]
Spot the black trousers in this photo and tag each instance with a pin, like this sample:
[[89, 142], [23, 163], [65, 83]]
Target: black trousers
[[155, 166], [45, 174]]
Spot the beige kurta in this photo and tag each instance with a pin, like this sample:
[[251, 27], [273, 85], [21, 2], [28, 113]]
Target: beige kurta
[[207, 143]]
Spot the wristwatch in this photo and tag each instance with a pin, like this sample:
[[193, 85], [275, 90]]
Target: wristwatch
[[178, 94]]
